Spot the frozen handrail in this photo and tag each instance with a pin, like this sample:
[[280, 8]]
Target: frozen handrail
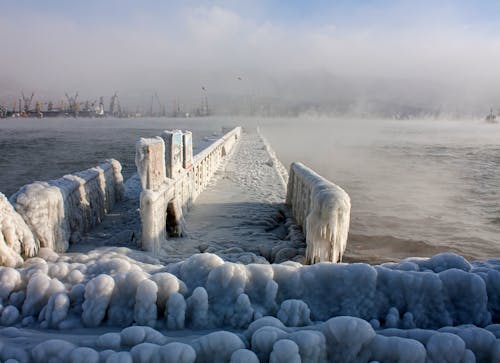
[[164, 200], [322, 209], [60, 210]]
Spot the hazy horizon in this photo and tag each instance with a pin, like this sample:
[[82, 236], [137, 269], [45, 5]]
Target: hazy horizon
[[342, 56]]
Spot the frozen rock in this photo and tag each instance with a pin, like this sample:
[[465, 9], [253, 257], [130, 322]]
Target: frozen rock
[[445, 347], [97, 296], [176, 308], [269, 321], [217, 347], [10, 280], [84, 355], [480, 341], [243, 312], [244, 356], [197, 308], [122, 303], [9, 316], [168, 285], [294, 313], [263, 340], [176, 352], [312, 345], [54, 351], [57, 309], [109, 341], [285, 351], [16, 239], [141, 334], [40, 288], [339, 333], [396, 349], [120, 357], [144, 352], [145, 303], [14, 354], [392, 318]]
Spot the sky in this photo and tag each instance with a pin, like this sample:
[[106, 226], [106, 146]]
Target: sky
[[437, 54]]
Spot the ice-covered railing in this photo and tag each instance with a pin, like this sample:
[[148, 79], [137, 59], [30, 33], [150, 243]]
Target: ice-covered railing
[[172, 180], [322, 209], [59, 211]]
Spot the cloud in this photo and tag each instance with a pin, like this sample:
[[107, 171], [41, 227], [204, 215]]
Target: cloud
[[210, 45]]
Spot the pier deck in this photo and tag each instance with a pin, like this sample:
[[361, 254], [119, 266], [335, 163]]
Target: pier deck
[[241, 216]]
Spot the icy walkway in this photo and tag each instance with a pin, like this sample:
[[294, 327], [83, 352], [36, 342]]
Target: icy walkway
[[241, 216]]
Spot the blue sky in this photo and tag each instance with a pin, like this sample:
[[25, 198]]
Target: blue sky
[[391, 14]]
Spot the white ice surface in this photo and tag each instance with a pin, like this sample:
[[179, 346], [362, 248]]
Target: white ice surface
[[327, 306]]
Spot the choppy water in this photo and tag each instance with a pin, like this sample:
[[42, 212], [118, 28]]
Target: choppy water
[[32, 149], [417, 187]]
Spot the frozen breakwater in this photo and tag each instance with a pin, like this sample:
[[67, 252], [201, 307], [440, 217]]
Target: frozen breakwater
[[61, 210], [164, 200], [121, 304], [323, 209]]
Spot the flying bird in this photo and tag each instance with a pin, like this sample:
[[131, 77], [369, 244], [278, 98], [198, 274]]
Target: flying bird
[[239, 78], [203, 88]]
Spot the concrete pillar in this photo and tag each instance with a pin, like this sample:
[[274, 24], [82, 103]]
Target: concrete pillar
[[150, 162], [173, 152], [187, 142]]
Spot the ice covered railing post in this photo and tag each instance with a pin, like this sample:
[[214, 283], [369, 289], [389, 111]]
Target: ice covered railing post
[[172, 179], [322, 209], [59, 211]]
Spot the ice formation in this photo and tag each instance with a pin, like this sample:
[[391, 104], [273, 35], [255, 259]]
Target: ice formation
[[16, 239], [323, 210], [58, 211], [327, 312], [163, 199]]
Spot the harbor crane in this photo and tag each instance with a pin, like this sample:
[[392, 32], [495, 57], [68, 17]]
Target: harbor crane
[[74, 106], [114, 103], [27, 102]]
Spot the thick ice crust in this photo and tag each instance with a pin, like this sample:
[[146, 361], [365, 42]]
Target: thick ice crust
[[413, 311], [59, 210], [161, 195], [16, 239], [323, 210]]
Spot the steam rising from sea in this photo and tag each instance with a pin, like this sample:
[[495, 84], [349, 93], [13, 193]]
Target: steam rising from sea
[[417, 187]]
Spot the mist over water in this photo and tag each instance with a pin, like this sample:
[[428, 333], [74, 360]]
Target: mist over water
[[417, 187], [32, 149]]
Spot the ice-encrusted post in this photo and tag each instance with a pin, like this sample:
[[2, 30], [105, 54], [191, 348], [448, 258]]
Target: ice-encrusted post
[[150, 162], [322, 209], [172, 178], [58, 211]]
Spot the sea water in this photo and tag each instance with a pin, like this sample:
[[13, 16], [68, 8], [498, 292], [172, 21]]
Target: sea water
[[417, 187]]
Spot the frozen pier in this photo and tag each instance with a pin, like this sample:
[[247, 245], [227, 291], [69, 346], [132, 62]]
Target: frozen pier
[[230, 202], [134, 287]]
